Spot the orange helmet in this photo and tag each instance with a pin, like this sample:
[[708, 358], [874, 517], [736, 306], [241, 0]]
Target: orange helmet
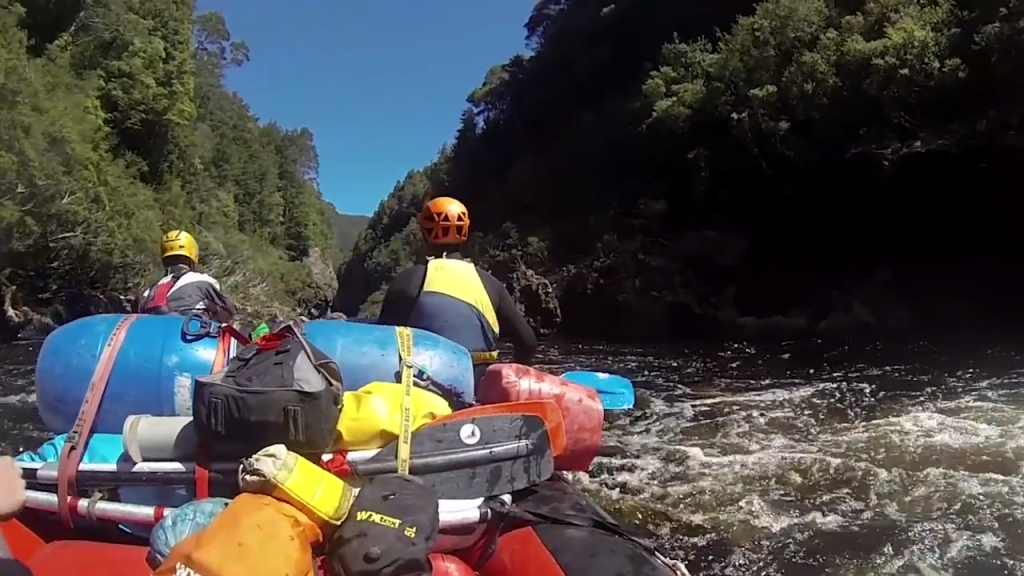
[[444, 220]]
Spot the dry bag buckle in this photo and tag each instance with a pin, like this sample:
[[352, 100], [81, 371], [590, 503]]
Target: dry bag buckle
[[203, 327]]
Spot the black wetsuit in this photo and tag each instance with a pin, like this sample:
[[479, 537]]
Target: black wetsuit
[[402, 306]]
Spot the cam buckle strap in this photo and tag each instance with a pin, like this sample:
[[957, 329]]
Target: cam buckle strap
[[234, 333], [404, 337], [489, 357], [78, 437]]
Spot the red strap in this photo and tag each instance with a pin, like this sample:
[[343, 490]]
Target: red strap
[[272, 341], [202, 475], [234, 333], [337, 465], [157, 299], [78, 437]]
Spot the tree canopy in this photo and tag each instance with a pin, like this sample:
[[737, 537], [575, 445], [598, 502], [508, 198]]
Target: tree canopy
[[117, 125], [661, 174]]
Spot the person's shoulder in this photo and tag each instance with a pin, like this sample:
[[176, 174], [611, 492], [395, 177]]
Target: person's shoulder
[[486, 276], [411, 270], [200, 277]]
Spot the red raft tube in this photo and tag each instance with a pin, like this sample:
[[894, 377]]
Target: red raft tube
[[46, 548], [566, 534]]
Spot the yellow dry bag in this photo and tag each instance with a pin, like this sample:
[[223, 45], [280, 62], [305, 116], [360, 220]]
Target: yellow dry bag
[[372, 416]]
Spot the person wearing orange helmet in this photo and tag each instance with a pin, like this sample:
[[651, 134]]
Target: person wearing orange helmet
[[451, 297]]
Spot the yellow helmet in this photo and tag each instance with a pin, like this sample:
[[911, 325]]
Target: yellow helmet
[[179, 243]]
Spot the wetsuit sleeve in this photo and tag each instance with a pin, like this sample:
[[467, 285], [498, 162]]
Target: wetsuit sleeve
[[400, 298], [511, 322]]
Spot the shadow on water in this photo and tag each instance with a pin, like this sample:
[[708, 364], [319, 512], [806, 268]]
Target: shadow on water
[[792, 459]]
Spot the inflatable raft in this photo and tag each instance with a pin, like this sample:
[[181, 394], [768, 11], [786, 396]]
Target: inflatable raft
[[558, 531], [162, 355], [591, 545]]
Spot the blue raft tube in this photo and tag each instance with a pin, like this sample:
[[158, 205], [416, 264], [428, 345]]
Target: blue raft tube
[[162, 355]]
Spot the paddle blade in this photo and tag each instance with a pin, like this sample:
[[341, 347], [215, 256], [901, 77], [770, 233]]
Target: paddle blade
[[547, 410], [475, 457], [617, 392]]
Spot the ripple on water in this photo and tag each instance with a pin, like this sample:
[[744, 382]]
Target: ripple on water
[[844, 463]]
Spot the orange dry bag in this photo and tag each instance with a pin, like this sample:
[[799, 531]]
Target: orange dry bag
[[256, 536]]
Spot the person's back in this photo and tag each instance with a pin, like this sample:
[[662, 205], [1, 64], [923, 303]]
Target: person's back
[[450, 297], [183, 290]]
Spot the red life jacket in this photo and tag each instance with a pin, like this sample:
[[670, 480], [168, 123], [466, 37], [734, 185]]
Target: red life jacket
[[156, 302]]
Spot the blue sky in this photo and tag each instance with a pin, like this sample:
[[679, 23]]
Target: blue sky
[[381, 83]]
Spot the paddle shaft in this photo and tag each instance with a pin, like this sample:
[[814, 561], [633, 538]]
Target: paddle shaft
[[226, 473], [127, 479], [469, 459], [150, 515]]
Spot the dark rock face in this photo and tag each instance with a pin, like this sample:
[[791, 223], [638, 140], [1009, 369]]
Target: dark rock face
[[24, 319], [324, 277], [536, 298], [705, 291]]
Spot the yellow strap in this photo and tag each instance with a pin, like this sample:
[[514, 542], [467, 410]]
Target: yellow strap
[[404, 336], [484, 357]]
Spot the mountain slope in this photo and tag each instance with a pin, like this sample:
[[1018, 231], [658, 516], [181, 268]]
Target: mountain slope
[[347, 228]]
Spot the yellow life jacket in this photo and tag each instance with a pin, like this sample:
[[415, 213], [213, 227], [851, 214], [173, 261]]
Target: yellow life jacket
[[454, 304]]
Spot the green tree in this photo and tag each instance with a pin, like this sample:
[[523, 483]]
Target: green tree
[[833, 139], [118, 125]]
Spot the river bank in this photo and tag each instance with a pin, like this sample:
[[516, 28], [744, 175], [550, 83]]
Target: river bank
[[259, 293]]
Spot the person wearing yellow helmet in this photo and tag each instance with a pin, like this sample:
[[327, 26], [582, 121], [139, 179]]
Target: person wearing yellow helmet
[[451, 297], [182, 290]]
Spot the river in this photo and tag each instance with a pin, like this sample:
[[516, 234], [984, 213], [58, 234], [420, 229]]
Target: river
[[789, 459]]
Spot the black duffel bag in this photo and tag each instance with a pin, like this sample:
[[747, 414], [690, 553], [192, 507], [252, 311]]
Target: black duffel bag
[[280, 390]]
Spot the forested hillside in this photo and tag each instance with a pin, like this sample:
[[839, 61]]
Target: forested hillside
[[347, 228], [817, 166], [117, 125]]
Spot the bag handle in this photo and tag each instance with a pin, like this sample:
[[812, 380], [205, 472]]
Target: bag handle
[[295, 329]]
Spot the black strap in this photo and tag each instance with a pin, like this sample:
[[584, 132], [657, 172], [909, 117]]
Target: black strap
[[427, 382], [535, 518]]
